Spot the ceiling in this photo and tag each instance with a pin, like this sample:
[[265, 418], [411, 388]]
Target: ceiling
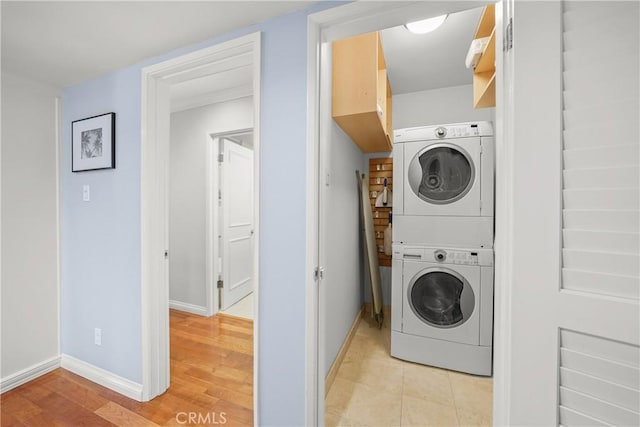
[[417, 62], [68, 42]]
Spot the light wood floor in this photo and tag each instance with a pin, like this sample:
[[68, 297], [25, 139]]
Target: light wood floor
[[211, 373]]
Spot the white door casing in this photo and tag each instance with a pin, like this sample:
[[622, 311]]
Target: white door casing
[[237, 222], [156, 80], [323, 28]]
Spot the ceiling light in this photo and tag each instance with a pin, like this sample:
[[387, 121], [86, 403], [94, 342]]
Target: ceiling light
[[426, 25]]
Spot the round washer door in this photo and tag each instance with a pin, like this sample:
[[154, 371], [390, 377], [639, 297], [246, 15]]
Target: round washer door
[[441, 173], [441, 297]]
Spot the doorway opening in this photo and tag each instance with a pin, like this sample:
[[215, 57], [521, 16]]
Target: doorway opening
[[176, 94], [335, 165]]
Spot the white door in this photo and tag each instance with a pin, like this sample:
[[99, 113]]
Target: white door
[[568, 225], [237, 222]]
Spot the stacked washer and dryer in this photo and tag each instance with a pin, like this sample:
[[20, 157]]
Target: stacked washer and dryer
[[442, 266]]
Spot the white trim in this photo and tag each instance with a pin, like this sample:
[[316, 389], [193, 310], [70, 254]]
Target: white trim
[[312, 369], [189, 308], [29, 374], [58, 139], [156, 80], [503, 244], [332, 24], [257, 155], [155, 342], [211, 225], [103, 377]]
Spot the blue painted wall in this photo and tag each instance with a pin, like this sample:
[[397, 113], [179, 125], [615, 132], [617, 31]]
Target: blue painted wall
[[101, 239]]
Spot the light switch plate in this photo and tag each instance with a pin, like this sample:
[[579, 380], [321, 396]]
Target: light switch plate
[[86, 193]]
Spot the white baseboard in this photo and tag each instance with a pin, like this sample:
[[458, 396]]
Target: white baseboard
[[28, 374], [100, 376], [189, 308]]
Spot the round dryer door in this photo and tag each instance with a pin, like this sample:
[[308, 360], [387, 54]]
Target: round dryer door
[[441, 297], [441, 173]]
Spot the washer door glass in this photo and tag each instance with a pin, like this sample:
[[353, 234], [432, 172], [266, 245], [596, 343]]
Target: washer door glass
[[441, 298], [441, 174]]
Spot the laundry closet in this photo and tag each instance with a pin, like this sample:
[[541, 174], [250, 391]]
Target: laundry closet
[[409, 172]]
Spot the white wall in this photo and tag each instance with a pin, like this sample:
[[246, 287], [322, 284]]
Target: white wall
[[439, 106], [29, 224], [190, 130], [343, 263]]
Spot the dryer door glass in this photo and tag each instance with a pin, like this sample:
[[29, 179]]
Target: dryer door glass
[[441, 299], [441, 174]]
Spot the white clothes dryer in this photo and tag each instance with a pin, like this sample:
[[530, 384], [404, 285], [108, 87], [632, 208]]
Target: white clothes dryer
[[445, 173], [446, 170], [442, 307]]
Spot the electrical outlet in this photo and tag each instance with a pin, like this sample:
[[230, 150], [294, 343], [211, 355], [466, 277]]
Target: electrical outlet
[[97, 336]]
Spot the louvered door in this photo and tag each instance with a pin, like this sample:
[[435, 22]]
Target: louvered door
[[599, 369], [576, 266]]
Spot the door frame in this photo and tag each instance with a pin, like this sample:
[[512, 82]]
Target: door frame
[[154, 196], [357, 18], [212, 229]]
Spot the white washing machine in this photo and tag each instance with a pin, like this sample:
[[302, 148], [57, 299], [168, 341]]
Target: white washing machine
[[442, 307], [445, 173]]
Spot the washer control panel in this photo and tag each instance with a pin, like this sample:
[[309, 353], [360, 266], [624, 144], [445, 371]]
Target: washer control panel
[[480, 257], [455, 257]]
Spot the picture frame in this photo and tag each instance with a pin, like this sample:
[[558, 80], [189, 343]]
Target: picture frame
[[93, 142]]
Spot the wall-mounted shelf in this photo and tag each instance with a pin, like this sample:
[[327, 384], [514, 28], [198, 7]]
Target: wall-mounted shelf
[[361, 95], [484, 74]]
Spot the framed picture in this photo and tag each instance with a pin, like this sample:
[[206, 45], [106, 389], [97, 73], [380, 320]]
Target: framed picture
[[93, 143]]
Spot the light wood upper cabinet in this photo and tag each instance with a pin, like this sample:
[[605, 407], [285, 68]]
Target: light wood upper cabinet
[[484, 75], [361, 103]]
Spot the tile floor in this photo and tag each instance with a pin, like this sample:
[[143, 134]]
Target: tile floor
[[243, 308], [374, 389]]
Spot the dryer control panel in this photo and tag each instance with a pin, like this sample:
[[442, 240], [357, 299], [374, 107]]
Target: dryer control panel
[[454, 130]]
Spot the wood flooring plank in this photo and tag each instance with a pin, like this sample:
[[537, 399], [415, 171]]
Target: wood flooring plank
[[83, 396], [34, 393], [235, 414], [242, 399], [19, 407], [65, 411], [8, 420], [120, 416], [44, 420], [202, 400]]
